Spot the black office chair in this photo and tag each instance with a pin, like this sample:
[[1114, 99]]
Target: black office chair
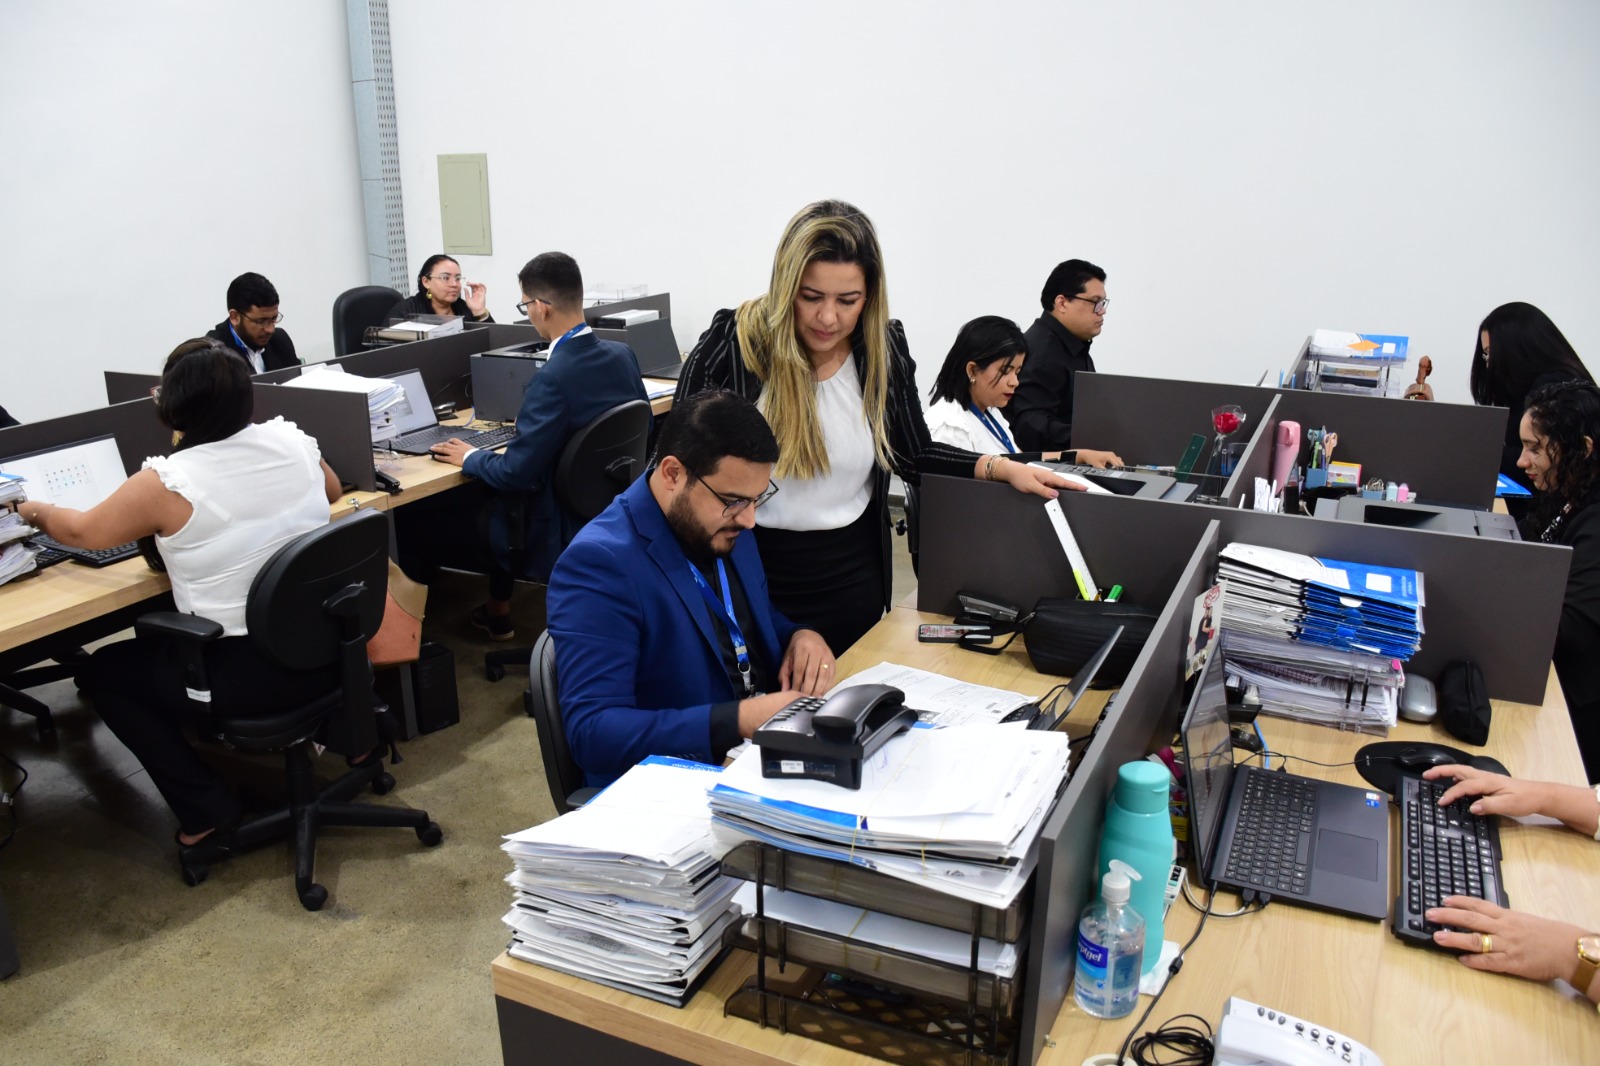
[[911, 525], [315, 603], [66, 664], [598, 462], [544, 707], [357, 310]]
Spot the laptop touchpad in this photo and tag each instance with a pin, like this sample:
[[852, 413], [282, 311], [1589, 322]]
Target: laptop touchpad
[[1342, 853]]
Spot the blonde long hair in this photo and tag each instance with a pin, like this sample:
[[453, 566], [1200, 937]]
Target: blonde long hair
[[828, 231]]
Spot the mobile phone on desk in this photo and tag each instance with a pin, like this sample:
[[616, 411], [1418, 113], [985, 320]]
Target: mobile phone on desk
[[934, 633]]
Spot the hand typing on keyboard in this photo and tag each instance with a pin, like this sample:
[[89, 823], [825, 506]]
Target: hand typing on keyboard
[[1506, 941], [1577, 806], [453, 451]]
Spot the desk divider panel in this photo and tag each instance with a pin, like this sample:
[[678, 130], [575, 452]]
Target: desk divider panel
[[1150, 420], [122, 386], [338, 421], [138, 432], [1497, 602], [1144, 714]]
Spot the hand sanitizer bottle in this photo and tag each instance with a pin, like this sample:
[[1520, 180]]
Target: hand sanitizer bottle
[[1110, 948]]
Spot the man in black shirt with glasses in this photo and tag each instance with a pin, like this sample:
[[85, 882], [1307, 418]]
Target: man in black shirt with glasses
[[251, 328], [1074, 302], [666, 641]]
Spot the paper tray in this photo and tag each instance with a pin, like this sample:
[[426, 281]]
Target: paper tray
[[815, 876], [789, 943]]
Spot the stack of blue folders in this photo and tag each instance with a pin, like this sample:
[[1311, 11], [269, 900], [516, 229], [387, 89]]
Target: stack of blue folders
[[625, 890], [955, 809], [1320, 639]]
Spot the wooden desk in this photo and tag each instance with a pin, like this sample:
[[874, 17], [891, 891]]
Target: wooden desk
[[1407, 1004]]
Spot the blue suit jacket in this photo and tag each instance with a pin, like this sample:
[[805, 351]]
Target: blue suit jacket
[[584, 378], [637, 658]]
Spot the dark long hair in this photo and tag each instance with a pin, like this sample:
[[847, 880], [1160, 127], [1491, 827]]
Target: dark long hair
[[205, 393], [986, 341], [1524, 344], [1564, 414], [427, 268]]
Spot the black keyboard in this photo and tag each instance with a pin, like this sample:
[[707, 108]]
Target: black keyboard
[[47, 556], [1272, 838], [87, 556], [1445, 851], [420, 442]]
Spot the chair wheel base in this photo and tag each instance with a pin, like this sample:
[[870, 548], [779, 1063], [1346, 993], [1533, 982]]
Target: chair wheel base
[[494, 672], [430, 834], [313, 898], [195, 873], [383, 784]]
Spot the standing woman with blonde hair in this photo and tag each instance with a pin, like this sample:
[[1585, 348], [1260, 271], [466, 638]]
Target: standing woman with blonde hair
[[830, 370]]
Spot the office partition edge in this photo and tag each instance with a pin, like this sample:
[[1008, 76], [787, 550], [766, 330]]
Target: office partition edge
[[1255, 461]]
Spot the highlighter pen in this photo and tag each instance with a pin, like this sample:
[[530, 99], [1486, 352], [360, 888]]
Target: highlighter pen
[[1115, 594]]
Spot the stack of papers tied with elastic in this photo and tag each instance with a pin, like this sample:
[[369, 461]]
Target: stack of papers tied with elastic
[[956, 809], [382, 394], [17, 558], [1320, 639], [625, 890]]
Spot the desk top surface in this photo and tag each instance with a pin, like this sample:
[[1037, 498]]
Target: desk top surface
[[1407, 1004]]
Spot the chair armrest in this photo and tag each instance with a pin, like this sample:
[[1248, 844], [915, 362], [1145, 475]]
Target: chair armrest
[[190, 633]]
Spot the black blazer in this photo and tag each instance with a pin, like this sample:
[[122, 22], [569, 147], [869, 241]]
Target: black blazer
[[278, 353], [417, 304], [1041, 411]]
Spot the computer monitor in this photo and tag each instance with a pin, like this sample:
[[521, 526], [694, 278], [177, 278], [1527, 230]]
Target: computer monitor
[[416, 411], [1208, 759], [79, 475]]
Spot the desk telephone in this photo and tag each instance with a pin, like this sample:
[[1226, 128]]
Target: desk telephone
[[1253, 1035], [827, 739]]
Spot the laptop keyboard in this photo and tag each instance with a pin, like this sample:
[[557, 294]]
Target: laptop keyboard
[[1448, 851], [89, 556], [1271, 846], [424, 438]]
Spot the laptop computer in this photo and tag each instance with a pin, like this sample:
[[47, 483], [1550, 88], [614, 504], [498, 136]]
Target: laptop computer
[[1039, 716], [80, 475], [1283, 836], [419, 428]]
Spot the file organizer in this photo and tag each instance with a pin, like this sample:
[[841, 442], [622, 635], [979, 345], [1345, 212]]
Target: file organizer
[[878, 1001]]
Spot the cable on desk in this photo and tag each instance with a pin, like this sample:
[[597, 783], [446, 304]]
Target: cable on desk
[[1243, 910], [1298, 758], [8, 800], [1193, 1043], [1265, 765], [1172, 973]]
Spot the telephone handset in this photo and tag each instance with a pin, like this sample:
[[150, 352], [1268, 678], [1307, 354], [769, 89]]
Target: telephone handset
[[827, 739], [1253, 1035]]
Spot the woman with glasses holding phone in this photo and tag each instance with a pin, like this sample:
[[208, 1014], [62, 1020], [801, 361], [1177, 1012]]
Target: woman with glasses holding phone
[[441, 290], [823, 361], [977, 380]]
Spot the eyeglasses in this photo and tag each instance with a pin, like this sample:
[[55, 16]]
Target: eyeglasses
[[268, 320], [446, 278], [733, 505], [1100, 304], [522, 308]]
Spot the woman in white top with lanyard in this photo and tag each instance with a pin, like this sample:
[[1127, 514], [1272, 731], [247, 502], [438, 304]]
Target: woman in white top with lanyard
[[977, 379], [827, 366], [229, 496]]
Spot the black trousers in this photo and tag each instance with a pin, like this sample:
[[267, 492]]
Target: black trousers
[[137, 687], [830, 580], [450, 530]]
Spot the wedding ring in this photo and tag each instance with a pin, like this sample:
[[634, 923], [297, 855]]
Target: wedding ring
[[1485, 943], [827, 666]]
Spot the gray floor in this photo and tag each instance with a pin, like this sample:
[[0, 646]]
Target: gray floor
[[121, 962]]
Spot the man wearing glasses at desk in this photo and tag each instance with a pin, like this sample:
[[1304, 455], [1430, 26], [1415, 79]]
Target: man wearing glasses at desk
[[251, 328], [666, 641], [1074, 302]]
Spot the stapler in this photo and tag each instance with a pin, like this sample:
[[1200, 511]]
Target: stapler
[[386, 483]]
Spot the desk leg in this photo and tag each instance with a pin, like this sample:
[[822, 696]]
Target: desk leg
[[530, 1037], [10, 962]]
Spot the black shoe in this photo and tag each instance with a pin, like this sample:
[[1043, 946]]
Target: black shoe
[[497, 626]]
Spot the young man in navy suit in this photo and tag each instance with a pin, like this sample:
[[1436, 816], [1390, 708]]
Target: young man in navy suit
[[666, 642], [583, 377]]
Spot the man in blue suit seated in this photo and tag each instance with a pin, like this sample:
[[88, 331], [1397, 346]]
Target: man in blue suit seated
[[583, 377], [665, 640]]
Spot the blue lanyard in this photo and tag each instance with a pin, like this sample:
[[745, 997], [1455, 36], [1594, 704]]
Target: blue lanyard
[[242, 345], [740, 651], [993, 426], [573, 332]]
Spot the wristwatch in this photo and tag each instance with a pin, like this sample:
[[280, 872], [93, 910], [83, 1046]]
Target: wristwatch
[[1588, 963]]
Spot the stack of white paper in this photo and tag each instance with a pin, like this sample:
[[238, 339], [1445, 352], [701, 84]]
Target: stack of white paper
[[381, 393], [955, 809], [941, 700], [17, 558], [625, 890]]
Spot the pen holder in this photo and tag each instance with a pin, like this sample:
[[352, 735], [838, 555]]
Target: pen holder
[[1316, 478]]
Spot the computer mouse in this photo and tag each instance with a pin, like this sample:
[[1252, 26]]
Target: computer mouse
[[1380, 763]]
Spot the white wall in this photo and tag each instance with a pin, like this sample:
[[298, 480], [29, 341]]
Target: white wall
[[1246, 172], [152, 152]]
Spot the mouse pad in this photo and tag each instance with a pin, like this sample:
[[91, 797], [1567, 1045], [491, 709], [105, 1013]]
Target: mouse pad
[[1380, 763]]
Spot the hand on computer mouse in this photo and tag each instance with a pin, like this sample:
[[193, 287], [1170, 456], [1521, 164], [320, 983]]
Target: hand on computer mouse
[[453, 451], [1574, 805]]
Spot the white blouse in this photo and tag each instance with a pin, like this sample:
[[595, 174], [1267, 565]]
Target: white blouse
[[954, 424], [837, 498]]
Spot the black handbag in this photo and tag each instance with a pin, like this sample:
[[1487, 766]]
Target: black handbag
[[1063, 634], [1464, 702]]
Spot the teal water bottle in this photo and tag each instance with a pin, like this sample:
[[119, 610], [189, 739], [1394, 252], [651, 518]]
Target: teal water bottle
[[1139, 832]]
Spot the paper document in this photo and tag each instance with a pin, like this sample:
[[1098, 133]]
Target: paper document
[[941, 700]]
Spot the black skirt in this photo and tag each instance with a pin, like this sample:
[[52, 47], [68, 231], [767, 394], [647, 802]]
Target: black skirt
[[830, 580]]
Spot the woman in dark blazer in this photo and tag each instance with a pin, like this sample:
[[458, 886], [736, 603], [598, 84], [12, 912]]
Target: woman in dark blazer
[[830, 370], [441, 291]]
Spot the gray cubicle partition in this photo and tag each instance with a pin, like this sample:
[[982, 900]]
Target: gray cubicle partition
[[138, 432], [1494, 601], [1255, 462], [1446, 453], [338, 421], [661, 302], [122, 386]]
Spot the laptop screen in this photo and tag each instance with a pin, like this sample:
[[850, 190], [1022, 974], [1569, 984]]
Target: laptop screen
[[416, 412], [79, 475], [1208, 759]]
